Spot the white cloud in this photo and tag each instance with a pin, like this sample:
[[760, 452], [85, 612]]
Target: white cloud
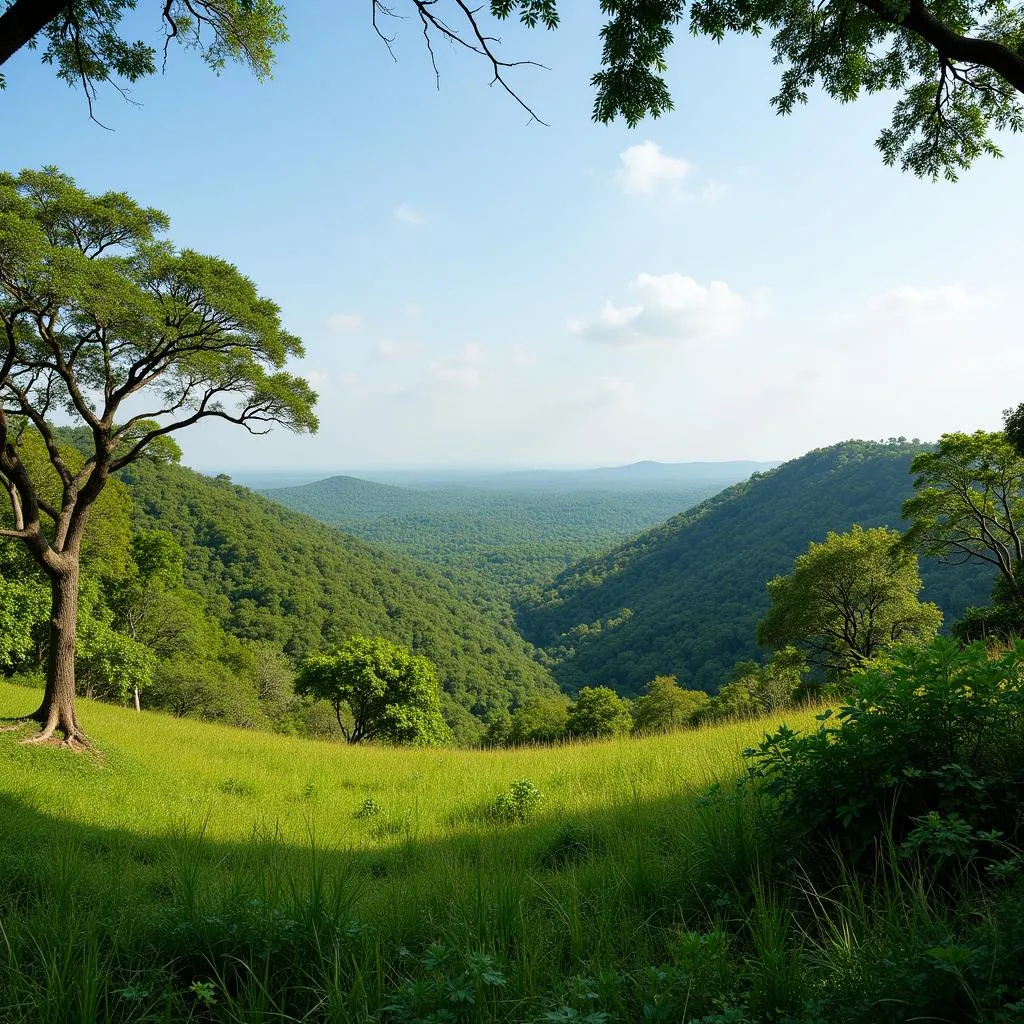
[[617, 387], [406, 213], [342, 323], [462, 371], [646, 170], [713, 191], [671, 308], [914, 303], [521, 357]]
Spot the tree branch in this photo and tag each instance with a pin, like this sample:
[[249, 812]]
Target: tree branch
[[950, 45], [23, 21]]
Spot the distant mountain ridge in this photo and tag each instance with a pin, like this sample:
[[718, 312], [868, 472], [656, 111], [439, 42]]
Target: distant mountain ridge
[[684, 597], [647, 474]]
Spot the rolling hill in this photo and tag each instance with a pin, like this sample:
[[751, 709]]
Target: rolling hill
[[684, 598]]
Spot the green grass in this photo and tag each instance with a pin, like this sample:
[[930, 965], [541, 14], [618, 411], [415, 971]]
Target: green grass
[[193, 872]]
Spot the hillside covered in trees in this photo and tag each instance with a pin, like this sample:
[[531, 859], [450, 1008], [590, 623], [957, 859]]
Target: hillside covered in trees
[[685, 597], [511, 531], [269, 574]]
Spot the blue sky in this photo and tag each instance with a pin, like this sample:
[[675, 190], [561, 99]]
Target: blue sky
[[476, 290]]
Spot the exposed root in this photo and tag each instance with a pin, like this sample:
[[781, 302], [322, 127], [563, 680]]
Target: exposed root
[[74, 738]]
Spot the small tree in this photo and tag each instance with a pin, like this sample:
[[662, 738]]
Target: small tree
[[755, 689], [847, 599], [598, 712], [23, 603], [97, 315], [539, 720], [666, 706], [379, 691]]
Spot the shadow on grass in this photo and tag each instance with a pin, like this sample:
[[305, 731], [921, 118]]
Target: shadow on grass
[[163, 910], [491, 923]]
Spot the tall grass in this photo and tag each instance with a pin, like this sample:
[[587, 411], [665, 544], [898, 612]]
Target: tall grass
[[192, 872]]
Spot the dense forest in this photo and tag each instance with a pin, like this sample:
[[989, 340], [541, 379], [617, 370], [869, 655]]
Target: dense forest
[[513, 532], [684, 598], [269, 574]]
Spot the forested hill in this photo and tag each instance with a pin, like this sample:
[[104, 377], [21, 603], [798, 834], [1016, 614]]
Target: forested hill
[[271, 574], [516, 531], [685, 597]]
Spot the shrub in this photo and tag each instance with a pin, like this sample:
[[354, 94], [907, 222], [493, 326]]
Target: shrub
[[519, 804], [931, 729]]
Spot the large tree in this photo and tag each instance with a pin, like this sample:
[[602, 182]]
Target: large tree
[[958, 63], [131, 338], [848, 599], [969, 505]]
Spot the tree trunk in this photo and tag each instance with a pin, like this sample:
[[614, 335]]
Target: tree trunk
[[57, 712], [135, 699], [23, 20]]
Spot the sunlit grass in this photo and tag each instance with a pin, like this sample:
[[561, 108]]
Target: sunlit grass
[[194, 872], [154, 771]]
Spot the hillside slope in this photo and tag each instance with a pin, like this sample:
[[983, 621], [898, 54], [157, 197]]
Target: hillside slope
[[685, 597], [271, 574]]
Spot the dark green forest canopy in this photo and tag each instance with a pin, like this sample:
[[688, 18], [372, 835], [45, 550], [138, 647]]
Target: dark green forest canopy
[[267, 573], [684, 598]]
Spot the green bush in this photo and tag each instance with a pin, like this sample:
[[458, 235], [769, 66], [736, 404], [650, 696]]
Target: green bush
[[935, 730], [519, 804]]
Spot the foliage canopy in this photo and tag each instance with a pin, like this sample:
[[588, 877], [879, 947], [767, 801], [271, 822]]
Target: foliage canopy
[[388, 693], [969, 504], [848, 599]]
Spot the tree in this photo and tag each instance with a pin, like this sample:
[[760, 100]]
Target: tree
[[969, 505], [97, 315], [960, 68], [84, 44], [152, 605], [847, 599], [598, 713], [539, 720], [666, 706], [755, 689], [1013, 420], [387, 693]]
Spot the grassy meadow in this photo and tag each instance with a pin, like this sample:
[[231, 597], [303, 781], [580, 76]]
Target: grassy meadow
[[196, 872]]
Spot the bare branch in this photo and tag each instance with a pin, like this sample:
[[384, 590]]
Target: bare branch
[[475, 40]]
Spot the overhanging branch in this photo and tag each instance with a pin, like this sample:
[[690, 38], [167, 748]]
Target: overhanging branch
[[952, 46]]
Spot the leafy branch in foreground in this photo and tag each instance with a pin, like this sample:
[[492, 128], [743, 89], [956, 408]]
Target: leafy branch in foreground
[[959, 64]]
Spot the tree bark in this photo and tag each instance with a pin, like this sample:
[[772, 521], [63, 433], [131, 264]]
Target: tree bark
[[24, 20], [57, 711]]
